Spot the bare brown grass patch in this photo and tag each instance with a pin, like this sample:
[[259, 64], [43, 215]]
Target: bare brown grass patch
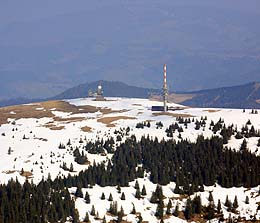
[[111, 125], [57, 127], [9, 171], [52, 126], [22, 111], [106, 111], [108, 120], [44, 109], [86, 129], [27, 174], [175, 115], [68, 120], [212, 110]]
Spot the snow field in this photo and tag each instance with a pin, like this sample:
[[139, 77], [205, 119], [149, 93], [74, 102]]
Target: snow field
[[41, 146]]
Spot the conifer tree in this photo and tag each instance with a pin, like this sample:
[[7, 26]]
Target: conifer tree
[[235, 203], [159, 192], [97, 216], [243, 145], [230, 220], [137, 193], [210, 215], [103, 196], [86, 219], [211, 200], [110, 197], [71, 168], [153, 198], [227, 203], [137, 185], [75, 216], [123, 196], [159, 210], [133, 210], [169, 206], [247, 200], [143, 193], [188, 212], [118, 189], [87, 198], [196, 205], [176, 210], [219, 207], [113, 208], [93, 211], [177, 189], [201, 188], [79, 192], [120, 215]]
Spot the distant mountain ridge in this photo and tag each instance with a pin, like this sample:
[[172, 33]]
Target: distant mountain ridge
[[18, 101], [110, 88], [242, 96]]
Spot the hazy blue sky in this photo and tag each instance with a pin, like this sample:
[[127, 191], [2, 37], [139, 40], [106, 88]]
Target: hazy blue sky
[[48, 46]]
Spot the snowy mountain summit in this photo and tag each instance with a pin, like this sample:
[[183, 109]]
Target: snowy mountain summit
[[88, 144]]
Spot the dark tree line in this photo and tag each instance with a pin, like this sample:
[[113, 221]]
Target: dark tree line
[[190, 165], [37, 204], [204, 162]]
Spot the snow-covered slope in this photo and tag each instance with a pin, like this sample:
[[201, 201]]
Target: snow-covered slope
[[29, 145]]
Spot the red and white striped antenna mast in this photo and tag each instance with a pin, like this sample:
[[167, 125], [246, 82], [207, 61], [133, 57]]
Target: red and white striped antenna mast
[[165, 89]]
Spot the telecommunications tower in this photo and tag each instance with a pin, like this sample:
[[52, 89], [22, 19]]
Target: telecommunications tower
[[165, 89]]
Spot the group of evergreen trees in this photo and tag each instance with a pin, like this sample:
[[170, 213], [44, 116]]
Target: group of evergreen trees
[[101, 146], [190, 165], [141, 125], [35, 203], [192, 207], [171, 129], [80, 158], [247, 130]]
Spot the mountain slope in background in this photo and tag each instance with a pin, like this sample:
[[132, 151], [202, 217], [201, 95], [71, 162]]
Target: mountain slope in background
[[243, 96], [110, 88]]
